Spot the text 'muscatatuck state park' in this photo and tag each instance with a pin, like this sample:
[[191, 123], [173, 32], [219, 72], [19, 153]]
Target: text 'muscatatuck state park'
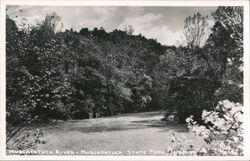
[[90, 80]]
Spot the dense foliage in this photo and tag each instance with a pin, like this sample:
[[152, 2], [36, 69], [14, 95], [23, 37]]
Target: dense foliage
[[68, 74], [61, 74], [223, 135]]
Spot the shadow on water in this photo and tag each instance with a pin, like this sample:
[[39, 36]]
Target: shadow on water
[[104, 128], [163, 125], [140, 114], [151, 114], [132, 125], [84, 126]]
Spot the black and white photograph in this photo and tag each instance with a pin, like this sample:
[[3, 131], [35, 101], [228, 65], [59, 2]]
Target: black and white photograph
[[125, 80]]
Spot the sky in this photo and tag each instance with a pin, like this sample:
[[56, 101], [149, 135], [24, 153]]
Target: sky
[[165, 24]]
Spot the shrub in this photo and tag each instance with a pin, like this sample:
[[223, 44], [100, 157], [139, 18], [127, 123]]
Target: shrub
[[18, 139], [222, 132]]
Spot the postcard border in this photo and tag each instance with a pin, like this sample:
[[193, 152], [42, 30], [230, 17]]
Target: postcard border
[[124, 3]]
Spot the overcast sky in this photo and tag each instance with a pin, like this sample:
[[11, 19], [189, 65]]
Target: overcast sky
[[162, 23]]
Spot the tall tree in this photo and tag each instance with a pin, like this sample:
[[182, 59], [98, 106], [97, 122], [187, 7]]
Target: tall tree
[[196, 30], [226, 43]]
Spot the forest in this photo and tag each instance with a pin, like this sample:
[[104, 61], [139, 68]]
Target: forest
[[69, 74]]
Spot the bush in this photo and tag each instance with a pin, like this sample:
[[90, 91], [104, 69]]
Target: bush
[[18, 139], [222, 132]]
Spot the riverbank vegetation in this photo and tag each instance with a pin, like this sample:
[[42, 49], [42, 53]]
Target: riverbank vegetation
[[54, 74]]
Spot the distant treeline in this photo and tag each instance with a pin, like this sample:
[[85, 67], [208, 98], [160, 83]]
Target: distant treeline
[[62, 75]]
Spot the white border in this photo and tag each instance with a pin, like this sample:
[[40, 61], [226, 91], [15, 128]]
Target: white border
[[244, 3]]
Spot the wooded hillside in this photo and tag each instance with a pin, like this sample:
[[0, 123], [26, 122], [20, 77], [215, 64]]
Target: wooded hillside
[[64, 74]]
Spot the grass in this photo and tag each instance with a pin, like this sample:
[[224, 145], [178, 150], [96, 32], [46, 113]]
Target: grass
[[135, 132]]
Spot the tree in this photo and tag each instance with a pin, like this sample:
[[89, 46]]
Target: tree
[[84, 31], [129, 29], [196, 30], [193, 79], [19, 106], [231, 19], [203, 76], [225, 44]]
